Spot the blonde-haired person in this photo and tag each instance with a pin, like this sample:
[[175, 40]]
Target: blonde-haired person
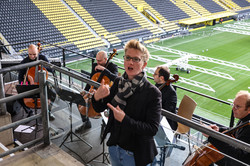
[[241, 110], [135, 110]]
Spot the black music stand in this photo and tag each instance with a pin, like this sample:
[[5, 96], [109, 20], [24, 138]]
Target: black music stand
[[103, 153], [25, 88], [72, 98]]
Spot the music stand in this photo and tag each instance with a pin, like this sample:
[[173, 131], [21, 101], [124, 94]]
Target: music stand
[[25, 88], [72, 98], [103, 153]]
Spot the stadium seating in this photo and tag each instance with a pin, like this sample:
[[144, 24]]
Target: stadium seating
[[87, 24], [242, 3], [197, 7], [231, 4], [166, 25], [168, 10], [68, 24], [211, 6], [23, 21], [183, 6], [108, 18]]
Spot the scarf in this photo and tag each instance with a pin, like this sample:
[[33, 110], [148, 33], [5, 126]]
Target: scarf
[[126, 88]]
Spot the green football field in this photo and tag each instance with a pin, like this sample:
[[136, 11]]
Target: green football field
[[224, 46]]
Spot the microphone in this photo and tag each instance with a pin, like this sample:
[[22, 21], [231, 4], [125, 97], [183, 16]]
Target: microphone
[[176, 146], [179, 147]]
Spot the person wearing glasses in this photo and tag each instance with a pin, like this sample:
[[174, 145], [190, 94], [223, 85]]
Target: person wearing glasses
[[135, 110], [111, 72], [169, 97], [241, 110]]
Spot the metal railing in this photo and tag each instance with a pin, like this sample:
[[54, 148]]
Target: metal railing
[[42, 90], [184, 121]]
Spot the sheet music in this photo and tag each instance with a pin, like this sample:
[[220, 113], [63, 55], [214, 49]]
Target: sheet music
[[167, 129]]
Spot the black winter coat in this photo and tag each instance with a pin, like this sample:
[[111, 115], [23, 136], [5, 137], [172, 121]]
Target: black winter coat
[[136, 132]]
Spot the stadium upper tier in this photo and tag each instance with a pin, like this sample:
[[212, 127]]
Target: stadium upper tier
[[87, 24]]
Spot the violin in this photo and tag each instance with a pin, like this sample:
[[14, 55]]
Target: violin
[[32, 76], [90, 112], [208, 154], [174, 79]]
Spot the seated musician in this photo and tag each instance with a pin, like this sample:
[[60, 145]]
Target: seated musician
[[241, 110], [111, 72], [33, 53], [169, 97]]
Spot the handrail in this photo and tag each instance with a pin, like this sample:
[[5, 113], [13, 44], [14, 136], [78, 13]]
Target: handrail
[[207, 96], [20, 147], [44, 107], [43, 41], [217, 135], [192, 91], [237, 143]]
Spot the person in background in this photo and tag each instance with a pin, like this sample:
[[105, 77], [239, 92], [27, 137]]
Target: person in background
[[135, 110], [111, 72], [33, 53], [241, 110], [169, 97]]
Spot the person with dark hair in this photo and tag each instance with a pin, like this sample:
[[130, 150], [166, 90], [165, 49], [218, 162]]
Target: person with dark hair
[[135, 110], [111, 72], [241, 110], [33, 53], [169, 97]]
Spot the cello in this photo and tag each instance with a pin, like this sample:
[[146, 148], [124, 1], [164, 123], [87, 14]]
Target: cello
[[89, 110], [32, 76], [174, 79], [208, 154]]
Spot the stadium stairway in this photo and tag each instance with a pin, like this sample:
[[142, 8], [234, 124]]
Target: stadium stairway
[[115, 20], [231, 4], [193, 4], [187, 9], [68, 24], [92, 22], [223, 6], [167, 26], [243, 4], [211, 6], [137, 17]]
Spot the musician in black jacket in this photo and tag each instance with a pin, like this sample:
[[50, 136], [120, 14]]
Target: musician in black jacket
[[169, 97], [33, 53], [135, 111], [241, 110], [111, 71]]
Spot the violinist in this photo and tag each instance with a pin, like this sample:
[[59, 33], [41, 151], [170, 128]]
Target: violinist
[[169, 97], [111, 72], [135, 110], [241, 110], [33, 53]]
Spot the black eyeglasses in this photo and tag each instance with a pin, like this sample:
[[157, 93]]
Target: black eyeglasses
[[134, 59]]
